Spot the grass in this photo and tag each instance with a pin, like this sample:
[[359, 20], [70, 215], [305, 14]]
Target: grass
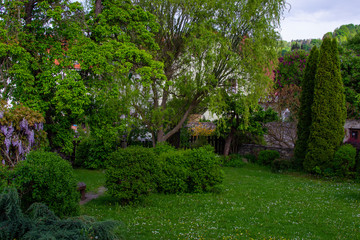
[[255, 203], [92, 178]]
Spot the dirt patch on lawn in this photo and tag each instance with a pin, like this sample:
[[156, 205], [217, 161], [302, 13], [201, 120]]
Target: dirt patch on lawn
[[91, 195]]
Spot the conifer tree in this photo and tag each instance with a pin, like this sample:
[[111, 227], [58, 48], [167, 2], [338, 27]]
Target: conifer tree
[[328, 111], [306, 101]]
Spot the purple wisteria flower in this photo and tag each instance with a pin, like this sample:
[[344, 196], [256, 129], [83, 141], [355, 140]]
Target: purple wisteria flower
[[4, 129], [3, 162], [21, 149], [1, 114], [10, 131], [15, 142], [7, 144], [31, 138], [24, 125]]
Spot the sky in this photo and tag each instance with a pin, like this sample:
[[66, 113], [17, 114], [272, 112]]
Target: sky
[[313, 18]]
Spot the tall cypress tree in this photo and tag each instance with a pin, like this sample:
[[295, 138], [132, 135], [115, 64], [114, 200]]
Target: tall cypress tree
[[306, 101], [328, 110]]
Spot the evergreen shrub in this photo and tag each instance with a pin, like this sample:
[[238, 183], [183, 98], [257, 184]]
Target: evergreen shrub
[[305, 114], [344, 160], [328, 112], [131, 173], [39, 222], [266, 157], [46, 177]]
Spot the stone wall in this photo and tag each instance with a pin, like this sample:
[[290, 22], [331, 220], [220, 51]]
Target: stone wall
[[285, 153]]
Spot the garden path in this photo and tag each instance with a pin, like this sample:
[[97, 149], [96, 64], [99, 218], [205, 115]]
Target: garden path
[[91, 195]]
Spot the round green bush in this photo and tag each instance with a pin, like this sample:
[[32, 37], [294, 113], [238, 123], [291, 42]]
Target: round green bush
[[344, 160], [174, 172], [204, 168], [131, 173], [195, 170], [46, 177], [266, 157], [163, 147]]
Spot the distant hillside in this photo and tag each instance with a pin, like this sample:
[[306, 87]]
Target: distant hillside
[[345, 32], [342, 34]]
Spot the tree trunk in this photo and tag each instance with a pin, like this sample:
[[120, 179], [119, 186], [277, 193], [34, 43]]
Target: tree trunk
[[29, 7], [153, 139], [228, 141], [98, 7], [160, 136]]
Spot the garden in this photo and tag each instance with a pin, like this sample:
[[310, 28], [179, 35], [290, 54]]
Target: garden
[[102, 95], [164, 193], [253, 203]]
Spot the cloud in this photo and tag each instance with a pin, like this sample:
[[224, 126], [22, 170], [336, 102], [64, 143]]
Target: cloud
[[313, 18]]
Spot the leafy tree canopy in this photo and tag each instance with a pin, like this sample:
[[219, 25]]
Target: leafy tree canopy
[[205, 46]]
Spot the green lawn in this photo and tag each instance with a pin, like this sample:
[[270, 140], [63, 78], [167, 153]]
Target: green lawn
[[255, 203], [93, 178]]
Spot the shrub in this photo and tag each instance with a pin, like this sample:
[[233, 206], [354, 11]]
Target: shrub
[[200, 141], [280, 165], [40, 222], [233, 160], [131, 173], [92, 153], [266, 157], [3, 177], [357, 164], [163, 147], [250, 157], [174, 172], [344, 160], [196, 170], [205, 171], [46, 177]]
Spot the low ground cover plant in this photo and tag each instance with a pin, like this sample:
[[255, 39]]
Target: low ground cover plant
[[39, 222]]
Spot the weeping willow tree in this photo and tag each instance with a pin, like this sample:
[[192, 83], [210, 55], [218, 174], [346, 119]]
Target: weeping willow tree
[[206, 46]]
